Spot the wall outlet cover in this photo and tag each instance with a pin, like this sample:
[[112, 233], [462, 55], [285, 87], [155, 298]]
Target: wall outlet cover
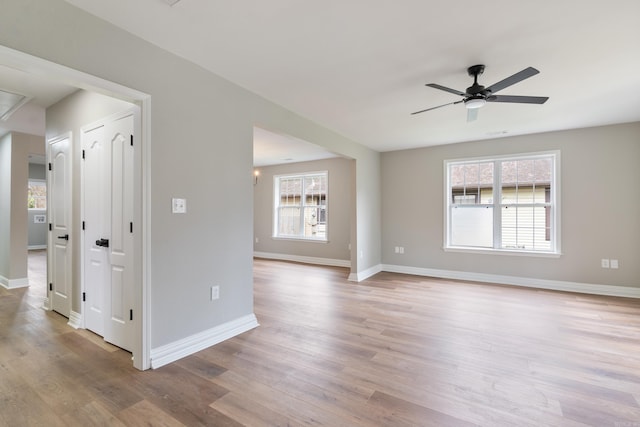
[[215, 293]]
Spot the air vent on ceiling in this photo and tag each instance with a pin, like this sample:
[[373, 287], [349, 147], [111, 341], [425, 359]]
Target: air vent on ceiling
[[10, 102]]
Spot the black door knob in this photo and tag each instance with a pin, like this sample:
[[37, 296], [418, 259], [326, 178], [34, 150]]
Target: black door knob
[[102, 242], [65, 237]]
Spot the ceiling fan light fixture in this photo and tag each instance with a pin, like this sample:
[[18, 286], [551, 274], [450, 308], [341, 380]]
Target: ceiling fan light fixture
[[475, 103]]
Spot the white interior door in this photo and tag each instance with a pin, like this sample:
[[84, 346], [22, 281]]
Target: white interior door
[[95, 224], [108, 241], [119, 291], [59, 272]]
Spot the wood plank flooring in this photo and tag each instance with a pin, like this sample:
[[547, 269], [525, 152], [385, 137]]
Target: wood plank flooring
[[394, 350]]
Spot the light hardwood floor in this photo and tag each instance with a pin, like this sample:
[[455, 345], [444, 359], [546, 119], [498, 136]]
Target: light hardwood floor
[[394, 350]]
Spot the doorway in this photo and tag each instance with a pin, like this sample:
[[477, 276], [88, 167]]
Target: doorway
[[108, 170], [33, 65]]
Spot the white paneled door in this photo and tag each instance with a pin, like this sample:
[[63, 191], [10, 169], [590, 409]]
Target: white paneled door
[[95, 226], [108, 213], [59, 272]]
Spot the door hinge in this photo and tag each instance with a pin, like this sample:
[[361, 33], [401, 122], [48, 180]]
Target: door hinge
[[84, 296], [82, 154], [50, 286], [50, 227], [131, 314], [50, 168], [131, 227], [132, 140]]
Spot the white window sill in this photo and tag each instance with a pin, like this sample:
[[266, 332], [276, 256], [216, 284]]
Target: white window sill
[[486, 251], [299, 239]]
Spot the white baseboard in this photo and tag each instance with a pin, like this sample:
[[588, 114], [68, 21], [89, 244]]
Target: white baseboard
[[176, 350], [555, 285], [75, 320], [362, 275], [14, 283], [36, 247], [304, 259]]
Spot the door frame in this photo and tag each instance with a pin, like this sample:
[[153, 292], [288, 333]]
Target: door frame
[[33, 64]]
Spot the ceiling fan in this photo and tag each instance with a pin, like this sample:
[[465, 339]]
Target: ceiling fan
[[477, 95]]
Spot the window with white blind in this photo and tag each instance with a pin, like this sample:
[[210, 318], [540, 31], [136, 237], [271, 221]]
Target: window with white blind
[[508, 204], [300, 206]]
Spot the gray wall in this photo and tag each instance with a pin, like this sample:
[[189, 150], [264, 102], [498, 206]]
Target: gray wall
[[37, 171], [341, 205], [37, 233], [5, 207], [15, 148], [599, 210], [70, 115], [199, 122]]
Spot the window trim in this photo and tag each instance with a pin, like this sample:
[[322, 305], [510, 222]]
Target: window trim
[[555, 198], [276, 205]]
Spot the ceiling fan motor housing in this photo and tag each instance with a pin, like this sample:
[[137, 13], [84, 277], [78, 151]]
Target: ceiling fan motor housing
[[476, 89]]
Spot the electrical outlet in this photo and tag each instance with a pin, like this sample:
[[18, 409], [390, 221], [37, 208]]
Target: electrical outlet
[[215, 293], [257, 240], [604, 262], [401, 249], [397, 249], [613, 263]]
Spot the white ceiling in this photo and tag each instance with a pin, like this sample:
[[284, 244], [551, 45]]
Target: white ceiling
[[43, 91], [359, 67], [270, 148]]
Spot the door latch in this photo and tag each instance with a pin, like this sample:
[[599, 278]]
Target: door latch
[[103, 242], [65, 237]]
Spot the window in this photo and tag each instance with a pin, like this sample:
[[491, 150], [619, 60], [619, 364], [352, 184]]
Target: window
[[503, 204], [37, 194], [301, 206]]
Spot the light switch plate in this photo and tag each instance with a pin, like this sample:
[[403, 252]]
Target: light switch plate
[[178, 205]]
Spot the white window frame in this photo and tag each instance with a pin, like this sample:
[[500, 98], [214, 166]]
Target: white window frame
[[554, 201], [276, 206], [44, 183]]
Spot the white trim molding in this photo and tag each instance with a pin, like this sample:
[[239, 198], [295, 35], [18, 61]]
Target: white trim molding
[[304, 259], [75, 320], [184, 347], [23, 282], [363, 275], [555, 285]]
